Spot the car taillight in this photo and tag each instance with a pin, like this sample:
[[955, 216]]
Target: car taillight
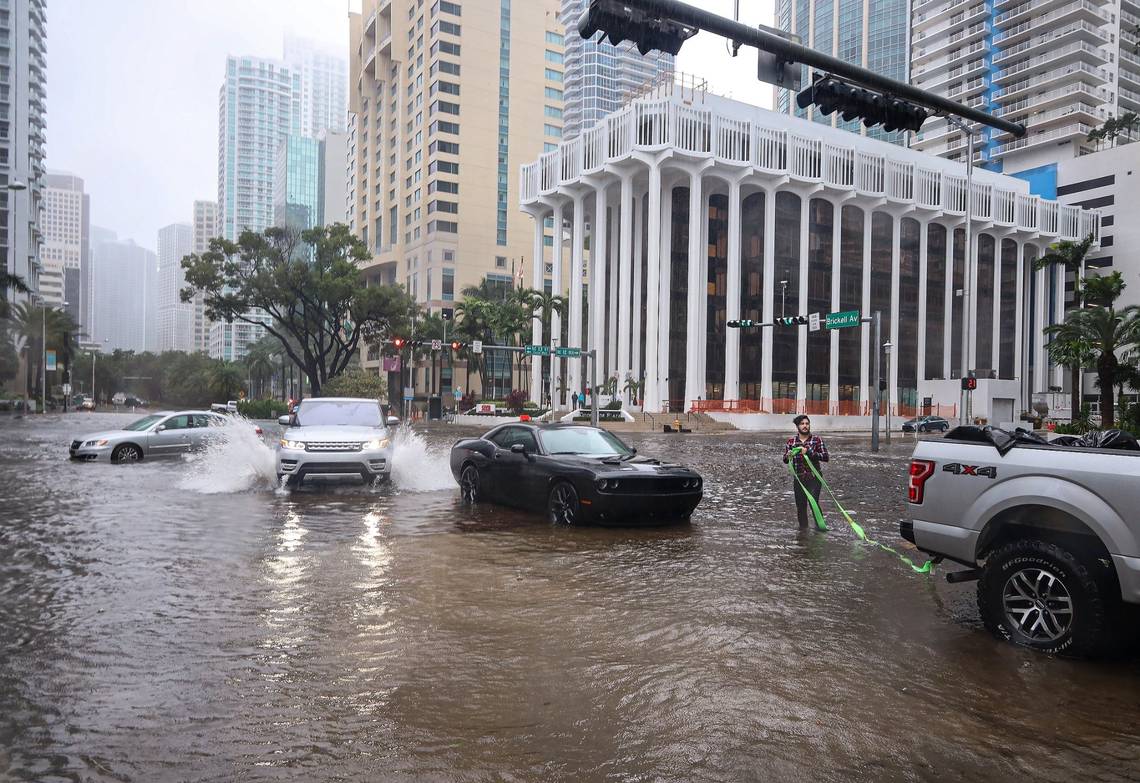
[[920, 471]]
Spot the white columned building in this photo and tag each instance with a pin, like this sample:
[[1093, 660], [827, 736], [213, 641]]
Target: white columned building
[[752, 214]]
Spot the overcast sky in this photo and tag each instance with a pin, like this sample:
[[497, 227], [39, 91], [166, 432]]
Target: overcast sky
[[133, 91]]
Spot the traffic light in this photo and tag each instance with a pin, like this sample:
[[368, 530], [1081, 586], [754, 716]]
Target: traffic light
[[399, 342], [792, 320], [619, 22], [831, 95], [969, 383], [743, 323]]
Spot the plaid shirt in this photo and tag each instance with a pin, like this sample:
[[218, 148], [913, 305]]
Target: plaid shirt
[[813, 447]]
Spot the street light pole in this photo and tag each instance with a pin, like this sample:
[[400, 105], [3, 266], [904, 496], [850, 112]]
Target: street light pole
[[967, 281], [887, 349], [783, 291]]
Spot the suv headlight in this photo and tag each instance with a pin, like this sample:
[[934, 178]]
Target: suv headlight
[[292, 444], [377, 443]]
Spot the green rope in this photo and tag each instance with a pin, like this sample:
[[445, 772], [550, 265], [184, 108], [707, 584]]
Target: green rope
[[858, 530]]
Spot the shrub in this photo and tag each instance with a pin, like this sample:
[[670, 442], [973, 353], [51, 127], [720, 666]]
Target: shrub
[[516, 401], [612, 405], [262, 409]]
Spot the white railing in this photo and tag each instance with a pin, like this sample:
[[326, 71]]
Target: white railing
[[654, 123]]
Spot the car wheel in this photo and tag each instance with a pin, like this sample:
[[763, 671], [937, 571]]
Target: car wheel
[[922, 428], [563, 507], [469, 487], [1040, 595], [128, 452]]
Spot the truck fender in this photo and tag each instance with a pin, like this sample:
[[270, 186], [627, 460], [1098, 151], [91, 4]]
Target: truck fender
[[1055, 493]]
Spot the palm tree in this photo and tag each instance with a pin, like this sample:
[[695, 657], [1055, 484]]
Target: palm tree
[[10, 282], [29, 323], [1070, 256], [1098, 334], [261, 361]]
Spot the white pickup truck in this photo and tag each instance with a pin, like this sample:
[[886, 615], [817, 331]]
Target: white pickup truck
[[1051, 533]]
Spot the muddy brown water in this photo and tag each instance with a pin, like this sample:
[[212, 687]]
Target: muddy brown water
[[182, 620]]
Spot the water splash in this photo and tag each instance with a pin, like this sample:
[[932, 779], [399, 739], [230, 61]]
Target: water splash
[[415, 467], [237, 459]]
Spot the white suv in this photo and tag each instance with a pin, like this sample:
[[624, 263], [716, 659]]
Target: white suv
[[335, 437]]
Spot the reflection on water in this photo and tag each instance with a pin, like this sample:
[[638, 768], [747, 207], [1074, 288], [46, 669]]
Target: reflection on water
[[154, 627]]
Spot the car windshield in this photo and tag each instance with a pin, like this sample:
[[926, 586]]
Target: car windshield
[[312, 413], [582, 440], [146, 422]]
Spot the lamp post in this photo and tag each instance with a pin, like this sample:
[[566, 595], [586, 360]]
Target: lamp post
[[887, 351], [967, 281], [783, 291]]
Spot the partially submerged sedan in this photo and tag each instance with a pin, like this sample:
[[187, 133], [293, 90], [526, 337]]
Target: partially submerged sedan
[[574, 473], [166, 434]]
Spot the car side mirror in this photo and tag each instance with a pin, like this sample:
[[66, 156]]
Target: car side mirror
[[518, 448], [284, 421], [160, 428], [392, 421]]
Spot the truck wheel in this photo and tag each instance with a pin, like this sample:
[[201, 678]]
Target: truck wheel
[[1040, 595]]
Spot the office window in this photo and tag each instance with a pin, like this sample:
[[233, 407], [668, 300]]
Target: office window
[[445, 7], [446, 47], [443, 206], [451, 148], [551, 130], [443, 226], [448, 288], [553, 38], [443, 186], [443, 106], [552, 111], [553, 75], [553, 93], [553, 57], [446, 87], [445, 166], [442, 126], [444, 27]]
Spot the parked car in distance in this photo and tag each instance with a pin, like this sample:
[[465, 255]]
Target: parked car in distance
[[334, 437], [166, 434], [574, 473], [88, 404], [926, 424], [231, 406]]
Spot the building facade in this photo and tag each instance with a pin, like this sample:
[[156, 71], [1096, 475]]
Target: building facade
[[309, 181], [259, 104], [205, 228], [432, 80], [868, 33], [704, 210], [175, 317], [600, 77], [125, 280], [23, 96], [324, 85], [65, 247], [1060, 68]]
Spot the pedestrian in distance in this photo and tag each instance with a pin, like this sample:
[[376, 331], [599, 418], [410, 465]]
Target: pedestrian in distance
[[799, 450], [574, 399]]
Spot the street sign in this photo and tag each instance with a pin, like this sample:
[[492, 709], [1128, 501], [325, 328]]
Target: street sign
[[843, 319], [476, 346], [67, 388], [436, 344], [409, 392], [537, 350], [572, 353], [813, 322], [50, 361]]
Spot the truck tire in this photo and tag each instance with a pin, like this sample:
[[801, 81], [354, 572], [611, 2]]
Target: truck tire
[[1040, 595]]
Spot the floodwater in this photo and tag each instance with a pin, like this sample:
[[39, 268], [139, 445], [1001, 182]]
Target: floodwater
[[189, 621]]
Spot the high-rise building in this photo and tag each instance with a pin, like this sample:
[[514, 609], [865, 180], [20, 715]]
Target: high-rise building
[[259, 104], [868, 33], [65, 246], [205, 229], [1061, 68], [125, 290], [309, 183], [600, 77], [324, 85], [23, 80], [433, 80], [175, 317]]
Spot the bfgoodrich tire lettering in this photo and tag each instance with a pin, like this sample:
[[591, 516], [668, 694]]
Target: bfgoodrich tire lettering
[[1040, 595]]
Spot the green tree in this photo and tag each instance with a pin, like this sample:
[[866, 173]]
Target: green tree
[[355, 382], [1069, 256], [28, 324], [10, 282], [261, 361], [318, 307]]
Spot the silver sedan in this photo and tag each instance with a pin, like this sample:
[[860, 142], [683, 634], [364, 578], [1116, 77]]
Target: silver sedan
[[166, 434]]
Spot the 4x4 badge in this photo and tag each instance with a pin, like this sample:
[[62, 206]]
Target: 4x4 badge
[[986, 471]]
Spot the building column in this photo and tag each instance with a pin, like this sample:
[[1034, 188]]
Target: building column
[[995, 340], [732, 295], [703, 298], [555, 318], [948, 306], [536, 326], [769, 296], [801, 332], [972, 290], [923, 229], [896, 252], [617, 210], [694, 341], [665, 296], [577, 251], [1060, 374], [1019, 332], [651, 398], [836, 271], [597, 321], [867, 385], [1040, 310], [625, 272], [638, 275]]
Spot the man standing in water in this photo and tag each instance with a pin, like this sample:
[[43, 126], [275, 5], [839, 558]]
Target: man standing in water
[[810, 447]]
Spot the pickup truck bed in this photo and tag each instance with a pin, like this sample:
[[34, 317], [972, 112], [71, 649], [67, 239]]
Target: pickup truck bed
[[1051, 532]]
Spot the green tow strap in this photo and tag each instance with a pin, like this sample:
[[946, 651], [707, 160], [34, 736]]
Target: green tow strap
[[918, 569]]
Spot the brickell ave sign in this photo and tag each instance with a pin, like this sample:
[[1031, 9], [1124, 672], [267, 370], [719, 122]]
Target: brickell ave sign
[[571, 353], [843, 319]]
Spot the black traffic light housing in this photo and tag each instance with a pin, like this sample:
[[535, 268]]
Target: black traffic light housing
[[969, 383], [743, 323], [792, 320], [830, 94], [619, 22]]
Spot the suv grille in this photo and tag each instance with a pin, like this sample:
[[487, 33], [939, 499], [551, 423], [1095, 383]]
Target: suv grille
[[333, 446]]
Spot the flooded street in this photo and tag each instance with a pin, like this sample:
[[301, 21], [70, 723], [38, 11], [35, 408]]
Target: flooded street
[[187, 620]]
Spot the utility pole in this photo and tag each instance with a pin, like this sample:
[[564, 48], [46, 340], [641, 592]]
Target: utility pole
[[968, 273], [783, 292], [887, 349], [875, 395]]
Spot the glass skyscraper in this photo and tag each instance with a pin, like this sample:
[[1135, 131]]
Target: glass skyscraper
[[600, 77]]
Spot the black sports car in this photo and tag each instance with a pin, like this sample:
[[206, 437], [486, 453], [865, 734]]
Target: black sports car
[[574, 473]]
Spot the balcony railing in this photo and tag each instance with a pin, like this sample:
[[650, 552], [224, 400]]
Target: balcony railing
[[653, 124]]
